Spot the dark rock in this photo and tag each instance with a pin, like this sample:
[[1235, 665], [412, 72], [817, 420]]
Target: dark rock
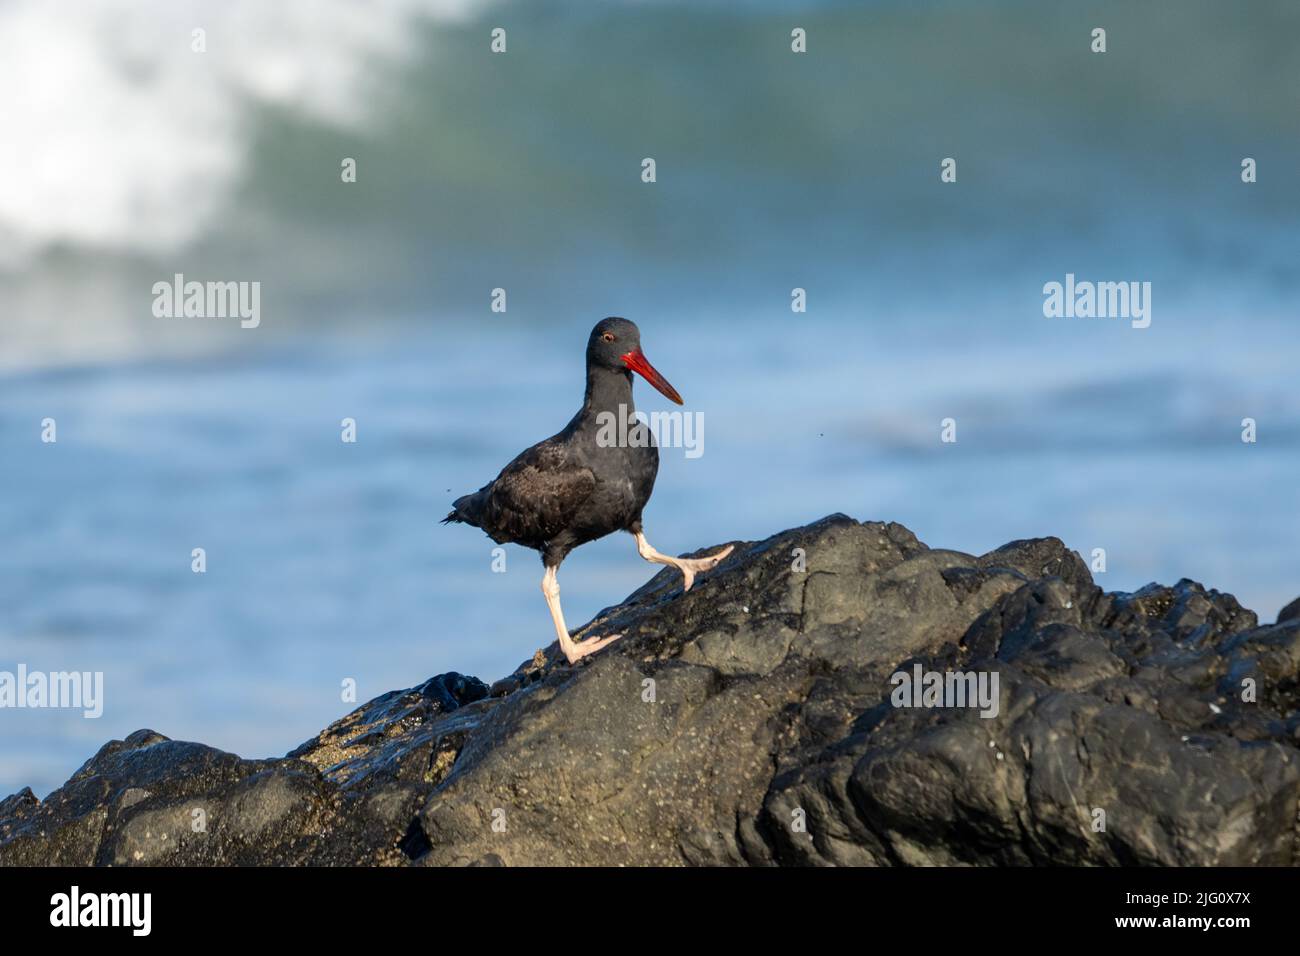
[[396, 736], [751, 721], [1289, 613]]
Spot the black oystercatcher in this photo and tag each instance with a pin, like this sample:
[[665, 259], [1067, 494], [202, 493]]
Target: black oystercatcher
[[587, 481]]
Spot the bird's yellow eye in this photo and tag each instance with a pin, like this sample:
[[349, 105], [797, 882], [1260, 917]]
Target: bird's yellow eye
[[608, 337]]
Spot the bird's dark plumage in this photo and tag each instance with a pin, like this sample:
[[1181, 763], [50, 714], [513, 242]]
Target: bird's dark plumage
[[592, 478], [534, 499], [577, 485]]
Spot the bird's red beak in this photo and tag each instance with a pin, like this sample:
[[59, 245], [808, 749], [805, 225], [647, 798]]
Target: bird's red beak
[[636, 361]]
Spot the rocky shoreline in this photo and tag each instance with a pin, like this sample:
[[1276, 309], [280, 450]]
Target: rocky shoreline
[[754, 720]]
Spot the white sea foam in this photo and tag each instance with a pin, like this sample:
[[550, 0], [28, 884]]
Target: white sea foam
[[119, 137]]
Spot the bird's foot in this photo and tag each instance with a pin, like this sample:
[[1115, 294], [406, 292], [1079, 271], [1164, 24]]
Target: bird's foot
[[577, 650], [693, 566]]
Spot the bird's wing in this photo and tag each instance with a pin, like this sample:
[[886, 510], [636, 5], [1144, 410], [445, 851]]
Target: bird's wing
[[538, 494]]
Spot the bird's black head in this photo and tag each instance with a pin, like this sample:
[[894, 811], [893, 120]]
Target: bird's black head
[[610, 340], [616, 344]]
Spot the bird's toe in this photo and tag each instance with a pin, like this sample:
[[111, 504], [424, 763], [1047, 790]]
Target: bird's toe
[[591, 645]]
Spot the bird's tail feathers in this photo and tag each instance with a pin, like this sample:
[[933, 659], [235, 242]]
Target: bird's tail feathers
[[464, 510]]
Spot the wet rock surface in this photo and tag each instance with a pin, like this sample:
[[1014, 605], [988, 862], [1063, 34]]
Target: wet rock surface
[[752, 720]]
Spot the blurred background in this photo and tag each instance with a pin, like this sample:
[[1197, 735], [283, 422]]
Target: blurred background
[[125, 157]]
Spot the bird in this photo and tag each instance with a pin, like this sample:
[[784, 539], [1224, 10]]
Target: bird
[[590, 479]]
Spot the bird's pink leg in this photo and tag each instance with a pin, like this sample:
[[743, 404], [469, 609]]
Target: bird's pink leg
[[573, 650], [688, 566]]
